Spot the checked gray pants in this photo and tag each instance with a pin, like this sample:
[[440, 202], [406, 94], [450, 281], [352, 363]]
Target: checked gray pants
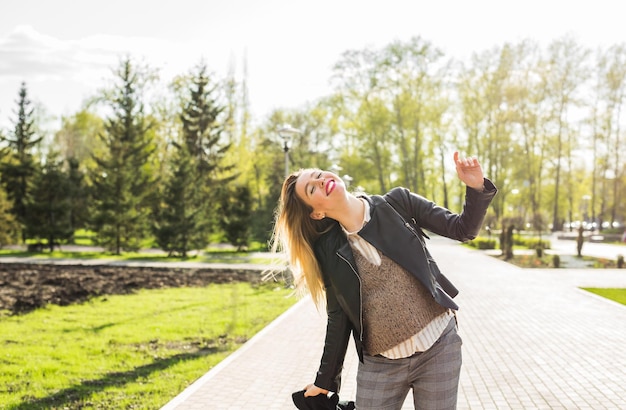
[[383, 384]]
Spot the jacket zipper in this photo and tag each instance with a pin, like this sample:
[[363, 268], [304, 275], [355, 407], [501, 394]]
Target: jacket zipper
[[360, 295], [429, 258], [408, 225]]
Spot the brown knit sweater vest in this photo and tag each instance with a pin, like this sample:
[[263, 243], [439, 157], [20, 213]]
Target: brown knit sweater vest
[[396, 305]]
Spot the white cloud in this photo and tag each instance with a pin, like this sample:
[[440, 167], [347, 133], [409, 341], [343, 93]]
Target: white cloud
[[32, 56], [62, 73], [24, 53]]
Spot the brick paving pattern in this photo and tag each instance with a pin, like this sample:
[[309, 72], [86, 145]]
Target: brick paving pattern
[[532, 340]]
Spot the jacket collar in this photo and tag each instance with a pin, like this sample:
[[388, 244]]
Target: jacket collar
[[388, 232]]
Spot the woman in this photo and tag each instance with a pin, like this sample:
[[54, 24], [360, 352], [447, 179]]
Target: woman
[[366, 255]]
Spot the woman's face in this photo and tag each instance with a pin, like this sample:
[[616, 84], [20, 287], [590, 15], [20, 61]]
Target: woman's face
[[321, 190]]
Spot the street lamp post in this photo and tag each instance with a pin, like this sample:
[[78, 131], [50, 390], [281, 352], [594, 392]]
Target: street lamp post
[[286, 132]]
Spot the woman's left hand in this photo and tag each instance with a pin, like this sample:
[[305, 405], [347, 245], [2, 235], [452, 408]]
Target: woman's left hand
[[313, 390], [469, 171]]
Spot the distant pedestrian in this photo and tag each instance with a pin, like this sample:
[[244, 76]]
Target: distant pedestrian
[[366, 255], [624, 237]]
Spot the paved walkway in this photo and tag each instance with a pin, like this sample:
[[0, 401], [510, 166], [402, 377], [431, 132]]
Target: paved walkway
[[532, 340]]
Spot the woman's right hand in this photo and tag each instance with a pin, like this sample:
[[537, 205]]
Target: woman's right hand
[[313, 390]]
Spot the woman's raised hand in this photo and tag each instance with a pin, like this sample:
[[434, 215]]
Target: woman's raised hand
[[469, 171]]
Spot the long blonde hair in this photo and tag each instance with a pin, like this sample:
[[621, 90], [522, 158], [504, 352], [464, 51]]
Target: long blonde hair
[[295, 232]]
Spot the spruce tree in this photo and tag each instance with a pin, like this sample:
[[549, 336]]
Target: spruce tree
[[18, 166], [202, 120], [202, 129], [236, 215], [8, 225], [180, 225], [77, 195], [122, 180], [49, 214]]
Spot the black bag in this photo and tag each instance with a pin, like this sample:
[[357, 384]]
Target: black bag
[[320, 402]]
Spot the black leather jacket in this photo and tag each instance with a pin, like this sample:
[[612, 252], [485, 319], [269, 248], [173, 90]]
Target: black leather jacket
[[394, 229]]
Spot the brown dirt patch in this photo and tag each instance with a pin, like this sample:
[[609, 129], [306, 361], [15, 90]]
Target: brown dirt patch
[[25, 287]]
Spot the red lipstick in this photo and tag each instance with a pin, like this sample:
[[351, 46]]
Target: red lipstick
[[330, 186]]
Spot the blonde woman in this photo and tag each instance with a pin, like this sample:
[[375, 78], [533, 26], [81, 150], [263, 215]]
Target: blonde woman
[[365, 256]]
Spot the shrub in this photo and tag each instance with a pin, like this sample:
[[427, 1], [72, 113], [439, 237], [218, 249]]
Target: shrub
[[534, 243], [531, 242], [483, 243]]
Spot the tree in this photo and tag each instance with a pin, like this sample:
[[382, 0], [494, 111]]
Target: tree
[[268, 172], [183, 216], [202, 127], [18, 166], [525, 97], [78, 137], [613, 72], [77, 196], [236, 215], [367, 117], [50, 213], [412, 82], [8, 225], [78, 143], [122, 180], [486, 115], [180, 220], [563, 74]]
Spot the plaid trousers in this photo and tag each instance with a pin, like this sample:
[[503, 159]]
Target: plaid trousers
[[383, 384]]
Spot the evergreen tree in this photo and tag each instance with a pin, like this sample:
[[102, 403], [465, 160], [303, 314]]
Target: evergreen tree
[[122, 180], [179, 221], [8, 225], [236, 215], [202, 128], [18, 166], [49, 215], [77, 195]]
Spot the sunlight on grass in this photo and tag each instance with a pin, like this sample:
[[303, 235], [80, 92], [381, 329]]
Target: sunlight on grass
[[135, 351], [220, 256], [615, 294]]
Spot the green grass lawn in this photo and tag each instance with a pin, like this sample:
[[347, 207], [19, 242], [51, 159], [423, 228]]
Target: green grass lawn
[[615, 294], [212, 256], [128, 352]]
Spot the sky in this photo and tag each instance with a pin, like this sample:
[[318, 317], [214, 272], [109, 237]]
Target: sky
[[65, 50]]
